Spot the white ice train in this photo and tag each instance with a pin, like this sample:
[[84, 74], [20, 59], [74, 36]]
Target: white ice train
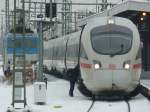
[[109, 52]]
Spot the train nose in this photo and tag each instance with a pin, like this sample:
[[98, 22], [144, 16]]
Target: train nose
[[121, 78], [111, 79]]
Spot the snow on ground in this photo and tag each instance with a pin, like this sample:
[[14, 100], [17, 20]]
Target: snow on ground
[[59, 101]]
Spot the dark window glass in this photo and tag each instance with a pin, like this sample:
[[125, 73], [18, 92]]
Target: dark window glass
[[115, 40], [28, 42]]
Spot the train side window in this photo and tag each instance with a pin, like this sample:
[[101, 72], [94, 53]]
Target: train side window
[[68, 52], [58, 52], [72, 51], [50, 53], [63, 51], [55, 53]]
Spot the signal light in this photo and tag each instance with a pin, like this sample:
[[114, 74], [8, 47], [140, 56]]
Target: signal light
[[141, 18]]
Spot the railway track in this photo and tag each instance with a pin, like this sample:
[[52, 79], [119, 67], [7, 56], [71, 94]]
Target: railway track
[[143, 91]]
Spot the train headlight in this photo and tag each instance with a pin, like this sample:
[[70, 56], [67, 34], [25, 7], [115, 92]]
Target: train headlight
[[126, 65], [97, 65]]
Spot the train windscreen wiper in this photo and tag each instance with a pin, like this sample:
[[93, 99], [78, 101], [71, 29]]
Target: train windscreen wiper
[[120, 51]]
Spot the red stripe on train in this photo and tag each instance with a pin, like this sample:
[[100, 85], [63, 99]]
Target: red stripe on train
[[85, 65], [137, 66]]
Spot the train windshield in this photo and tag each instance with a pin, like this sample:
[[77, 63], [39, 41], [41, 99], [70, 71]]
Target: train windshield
[[111, 40], [29, 43]]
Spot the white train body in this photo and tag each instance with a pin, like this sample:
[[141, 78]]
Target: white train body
[[110, 54], [111, 75]]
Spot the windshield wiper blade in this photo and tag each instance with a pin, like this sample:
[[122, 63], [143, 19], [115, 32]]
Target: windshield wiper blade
[[120, 51]]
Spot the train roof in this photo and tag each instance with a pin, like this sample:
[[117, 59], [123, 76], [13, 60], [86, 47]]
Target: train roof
[[65, 37]]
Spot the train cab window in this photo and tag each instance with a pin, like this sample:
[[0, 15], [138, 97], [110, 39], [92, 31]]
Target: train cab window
[[46, 54], [111, 39]]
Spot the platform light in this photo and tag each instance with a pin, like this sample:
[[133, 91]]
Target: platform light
[[141, 18], [144, 14]]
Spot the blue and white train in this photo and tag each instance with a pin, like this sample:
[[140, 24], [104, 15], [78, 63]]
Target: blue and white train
[[30, 43], [108, 51]]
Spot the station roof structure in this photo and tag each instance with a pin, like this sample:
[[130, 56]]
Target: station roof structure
[[129, 9]]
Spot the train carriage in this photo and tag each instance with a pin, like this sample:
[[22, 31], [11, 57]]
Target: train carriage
[[108, 51], [29, 42]]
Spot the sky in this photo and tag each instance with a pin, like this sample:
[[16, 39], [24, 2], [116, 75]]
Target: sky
[[2, 3]]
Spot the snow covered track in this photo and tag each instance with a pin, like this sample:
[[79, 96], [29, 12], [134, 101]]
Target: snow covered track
[[58, 100], [145, 91], [133, 105]]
